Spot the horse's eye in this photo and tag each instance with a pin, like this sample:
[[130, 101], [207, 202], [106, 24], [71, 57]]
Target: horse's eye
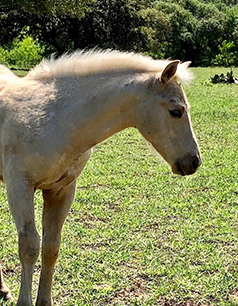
[[176, 113]]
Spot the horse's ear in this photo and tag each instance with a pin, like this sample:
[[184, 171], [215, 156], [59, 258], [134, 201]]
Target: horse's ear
[[169, 71]]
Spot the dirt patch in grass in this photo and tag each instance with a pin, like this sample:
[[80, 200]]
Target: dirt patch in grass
[[136, 290], [163, 301]]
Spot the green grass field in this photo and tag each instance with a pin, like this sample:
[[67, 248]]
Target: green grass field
[[139, 235]]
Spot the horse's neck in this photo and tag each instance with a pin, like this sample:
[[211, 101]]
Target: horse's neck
[[98, 109]]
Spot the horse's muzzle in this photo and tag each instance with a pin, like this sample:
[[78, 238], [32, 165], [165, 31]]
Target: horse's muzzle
[[187, 165]]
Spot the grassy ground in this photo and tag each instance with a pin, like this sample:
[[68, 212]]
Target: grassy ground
[[139, 235]]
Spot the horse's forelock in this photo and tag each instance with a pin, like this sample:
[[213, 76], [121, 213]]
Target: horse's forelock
[[184, 75]]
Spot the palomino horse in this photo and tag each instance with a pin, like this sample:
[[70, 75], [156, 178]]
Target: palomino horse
[[51, 119]]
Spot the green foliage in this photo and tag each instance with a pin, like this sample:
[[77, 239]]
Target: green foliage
[[3, 56], [184, 29], [196, 29], [24, 53], [76, 8], [156, 29], [227, 56]]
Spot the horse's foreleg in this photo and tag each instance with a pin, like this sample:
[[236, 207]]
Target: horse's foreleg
[[21, 198], [56, 207], [4, 291]]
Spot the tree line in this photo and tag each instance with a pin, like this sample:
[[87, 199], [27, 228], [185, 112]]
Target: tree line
[[205, 32]]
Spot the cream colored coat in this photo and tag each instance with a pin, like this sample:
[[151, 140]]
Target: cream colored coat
[[50, 120]]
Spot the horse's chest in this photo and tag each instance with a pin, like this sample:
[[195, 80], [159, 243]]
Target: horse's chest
[[65, 173]]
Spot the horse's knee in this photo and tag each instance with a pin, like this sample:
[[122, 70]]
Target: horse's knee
[[29, 244], [50, 249]]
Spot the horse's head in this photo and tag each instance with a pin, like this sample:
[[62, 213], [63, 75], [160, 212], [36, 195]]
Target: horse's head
[[163, 119]]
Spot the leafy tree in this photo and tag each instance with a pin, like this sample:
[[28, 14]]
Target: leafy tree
[[184, 29], [156, 29], [109, 24], [183, 26], [50, 7]]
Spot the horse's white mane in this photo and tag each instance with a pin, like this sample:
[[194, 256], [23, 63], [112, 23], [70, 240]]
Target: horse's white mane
[[5, 76], [93, 62]]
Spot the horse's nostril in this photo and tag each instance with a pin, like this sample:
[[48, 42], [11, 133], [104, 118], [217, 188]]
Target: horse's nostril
[[195, 163]]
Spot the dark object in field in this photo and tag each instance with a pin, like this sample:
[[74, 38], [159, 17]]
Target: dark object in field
[[228, 79]]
